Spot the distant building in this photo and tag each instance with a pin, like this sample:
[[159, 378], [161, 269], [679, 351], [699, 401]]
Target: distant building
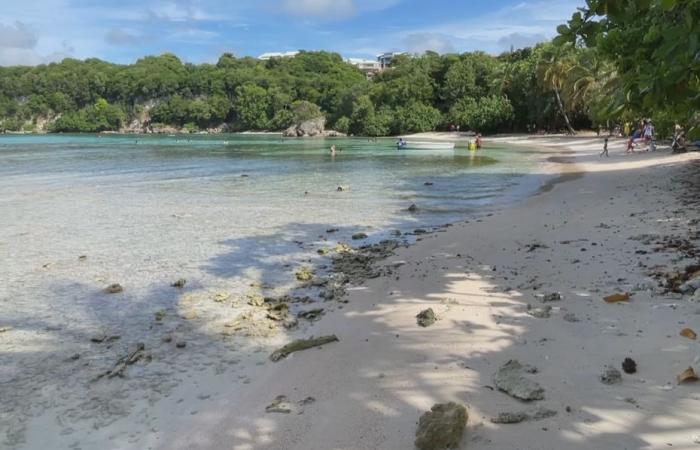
[[266, 56], [385, 59], [368, 66]]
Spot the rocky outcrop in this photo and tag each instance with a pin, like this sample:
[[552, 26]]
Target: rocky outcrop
[[311, 128]]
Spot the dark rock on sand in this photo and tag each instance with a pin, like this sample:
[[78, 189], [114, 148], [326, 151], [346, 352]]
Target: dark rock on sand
[[179, 283], [413, 208], [359, 236], [305, 274], [442, 427], [114, 288], [426, 317], [552, 297], [510, 379], [629, 366]]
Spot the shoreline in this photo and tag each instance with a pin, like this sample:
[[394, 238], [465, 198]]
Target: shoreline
[[379, 392], [386, 371]]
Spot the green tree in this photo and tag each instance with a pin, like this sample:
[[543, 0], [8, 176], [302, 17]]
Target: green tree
[[250, 107]]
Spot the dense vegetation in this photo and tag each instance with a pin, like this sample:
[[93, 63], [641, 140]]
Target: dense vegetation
[[615, 61]]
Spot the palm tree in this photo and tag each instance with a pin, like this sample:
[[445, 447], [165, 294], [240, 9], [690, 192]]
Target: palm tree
[[555, 70]]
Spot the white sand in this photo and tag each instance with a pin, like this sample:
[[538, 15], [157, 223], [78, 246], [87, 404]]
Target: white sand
[[372, 386]]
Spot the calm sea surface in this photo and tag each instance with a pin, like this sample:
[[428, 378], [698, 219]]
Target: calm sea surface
[[230, 206]]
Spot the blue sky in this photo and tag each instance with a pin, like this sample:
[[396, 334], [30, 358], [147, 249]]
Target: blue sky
[[200, 30]]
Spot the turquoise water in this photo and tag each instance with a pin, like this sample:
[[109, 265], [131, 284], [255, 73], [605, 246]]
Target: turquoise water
[[232, 206]]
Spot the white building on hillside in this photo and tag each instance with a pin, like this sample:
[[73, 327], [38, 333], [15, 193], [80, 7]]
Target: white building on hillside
[[368, 66], [385, 59], [266, 56]]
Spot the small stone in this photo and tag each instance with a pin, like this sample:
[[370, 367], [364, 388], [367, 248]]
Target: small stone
[[180, 344], [413, 208], [510, 379], [179, 283], [571, 317], [426, 317], [442, 427], [540, 313], [114, 288], [359, 236], [510, 417], [343, 188], [279, 405], [610, 375], [629, 366], [552, 297], [256, 300], [82, 257], [304, 274]]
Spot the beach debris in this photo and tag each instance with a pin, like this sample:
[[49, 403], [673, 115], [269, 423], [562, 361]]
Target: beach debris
[[359, 236], [304, 274], [181, 344], [420, 231], [510, 379], [179, 283], [280, 405], [428, 183], [221, 297], [629, 366], [510, 417], [311, 315], [114, 288], [688, 333], [426, 317], [159, 315], [413, 208], [102, 337], [551, 297], [332, 230], [539, 313], [534, 246], [610, 375], [278, 312], [135, 353], [5, 329], [301, 344], [255, 299], [323, 251], [82, 257], [688, 375], [517, 417], [571, 317], [619, 297], [442, 427], [343, 188]]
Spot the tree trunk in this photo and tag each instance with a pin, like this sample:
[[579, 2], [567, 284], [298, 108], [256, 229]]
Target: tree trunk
[[563, 113]]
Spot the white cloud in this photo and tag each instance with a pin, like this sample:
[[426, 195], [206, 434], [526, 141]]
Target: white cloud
[[320, 9], [17, 35], [423, 42]]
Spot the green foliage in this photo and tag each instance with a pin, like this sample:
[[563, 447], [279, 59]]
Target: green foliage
[[250, 107], [99, 117], [655, 48], [483, 115], [415, 118], [342, 125]]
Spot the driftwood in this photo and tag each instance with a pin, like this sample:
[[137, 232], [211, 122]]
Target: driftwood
[[301, 344]]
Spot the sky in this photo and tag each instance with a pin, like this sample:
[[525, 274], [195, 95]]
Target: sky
[[41, 31]]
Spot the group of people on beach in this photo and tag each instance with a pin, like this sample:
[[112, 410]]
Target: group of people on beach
[[644, 133]]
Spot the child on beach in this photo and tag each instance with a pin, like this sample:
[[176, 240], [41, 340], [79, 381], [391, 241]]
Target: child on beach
[[605, 148], [630, 145]]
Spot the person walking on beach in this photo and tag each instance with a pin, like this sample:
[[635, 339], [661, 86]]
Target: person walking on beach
[[648, 134], [605, 148], [630, 145]]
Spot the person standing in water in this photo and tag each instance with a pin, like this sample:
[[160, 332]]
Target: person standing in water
[[333, 150], [605, 148]]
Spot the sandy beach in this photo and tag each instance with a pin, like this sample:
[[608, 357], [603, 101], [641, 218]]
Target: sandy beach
[[599, 226], [580, 237]]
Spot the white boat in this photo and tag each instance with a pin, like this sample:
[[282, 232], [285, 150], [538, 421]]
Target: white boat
[[424, 145]]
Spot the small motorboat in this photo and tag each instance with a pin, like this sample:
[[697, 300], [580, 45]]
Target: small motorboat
[[426, 145]]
